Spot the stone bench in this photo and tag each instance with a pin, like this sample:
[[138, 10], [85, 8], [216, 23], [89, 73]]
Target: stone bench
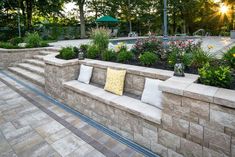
[[196, 120], [125, 103]]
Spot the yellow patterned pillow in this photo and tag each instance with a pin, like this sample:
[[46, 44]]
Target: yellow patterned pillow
[[115, 81]]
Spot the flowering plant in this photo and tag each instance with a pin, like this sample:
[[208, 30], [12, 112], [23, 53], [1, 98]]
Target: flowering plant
[[187, 46], [120, 47], [210, 47], [182, 51], [151, 44]]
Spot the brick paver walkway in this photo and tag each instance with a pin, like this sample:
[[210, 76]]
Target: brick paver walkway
[[32, 126]]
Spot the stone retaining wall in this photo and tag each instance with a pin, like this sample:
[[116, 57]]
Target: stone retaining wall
[[197, 120], [57, 72], [10, 57], [135, 77], [128, 125], [200, 118]]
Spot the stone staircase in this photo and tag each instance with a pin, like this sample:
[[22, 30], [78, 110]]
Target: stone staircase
[[32, 69]]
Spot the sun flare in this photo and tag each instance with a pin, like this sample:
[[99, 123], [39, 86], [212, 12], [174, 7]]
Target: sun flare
[[223, 9]]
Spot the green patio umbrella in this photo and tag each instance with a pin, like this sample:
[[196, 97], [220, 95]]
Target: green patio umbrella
[[107, 19]]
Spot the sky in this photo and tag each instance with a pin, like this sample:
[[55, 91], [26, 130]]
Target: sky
[[68, 7]]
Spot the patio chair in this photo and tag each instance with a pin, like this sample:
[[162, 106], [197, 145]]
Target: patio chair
[[133, 34], [114, 33]]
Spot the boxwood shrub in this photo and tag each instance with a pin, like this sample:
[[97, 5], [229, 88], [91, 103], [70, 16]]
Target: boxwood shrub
[[148, 58], [124, 56], [67, 53]]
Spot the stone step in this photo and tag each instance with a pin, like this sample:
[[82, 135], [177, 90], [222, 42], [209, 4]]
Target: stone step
[[33, 68], [32, 77], [38, 57], [45, 52], [35, 62]]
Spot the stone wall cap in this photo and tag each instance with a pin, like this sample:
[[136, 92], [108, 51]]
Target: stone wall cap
[[138, 70], [2, 50], [51, 59], [174, 86], [201, 92], [225, 97], [177, 85], [187, 88]]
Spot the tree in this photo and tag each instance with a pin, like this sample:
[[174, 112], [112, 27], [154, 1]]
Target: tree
[[29, 10], [33, 7], [97, 7], [185, 16], [81, 4]]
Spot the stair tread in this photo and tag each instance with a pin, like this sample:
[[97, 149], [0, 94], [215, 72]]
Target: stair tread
[[32, 68], [35, 61], [45, 52], [28, 75], [40, 57]]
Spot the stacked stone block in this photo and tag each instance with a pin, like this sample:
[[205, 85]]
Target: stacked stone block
[[10, 57], [196, 120]]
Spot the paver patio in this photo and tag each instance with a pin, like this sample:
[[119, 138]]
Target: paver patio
[[32, 126]]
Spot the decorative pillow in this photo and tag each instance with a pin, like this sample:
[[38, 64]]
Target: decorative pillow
[[151, 94], [85, 74], [115, 81]]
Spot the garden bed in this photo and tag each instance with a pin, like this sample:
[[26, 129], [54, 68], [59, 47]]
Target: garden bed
[[31, 40], [164, 66], [152, 52]]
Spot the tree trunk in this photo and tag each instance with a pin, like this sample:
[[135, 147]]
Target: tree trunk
[[29, 8], [233, 17], [174, 19], [82, 21]]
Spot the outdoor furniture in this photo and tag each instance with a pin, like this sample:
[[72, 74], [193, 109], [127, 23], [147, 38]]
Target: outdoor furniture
[[97, 99], [114, 33], [93, 97], [106, 20], [133, 34]]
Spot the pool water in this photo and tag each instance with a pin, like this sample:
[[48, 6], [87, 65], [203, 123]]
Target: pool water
[[127, 41], [133, 40]]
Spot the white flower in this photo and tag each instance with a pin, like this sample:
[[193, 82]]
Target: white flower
[[22, 44], [111, 46]]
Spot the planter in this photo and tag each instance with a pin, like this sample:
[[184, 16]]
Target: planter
[[58, 71], [232, 34]]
